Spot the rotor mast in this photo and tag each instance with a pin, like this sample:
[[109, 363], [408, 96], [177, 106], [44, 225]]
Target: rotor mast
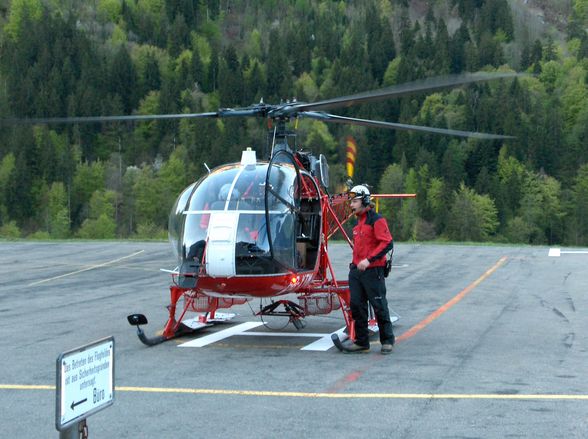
[[279, 137]]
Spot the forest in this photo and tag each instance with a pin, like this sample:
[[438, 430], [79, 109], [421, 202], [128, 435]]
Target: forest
[[111, 180]]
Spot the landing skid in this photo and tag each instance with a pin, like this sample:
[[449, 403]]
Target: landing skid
[[139, 319], [187, 326]]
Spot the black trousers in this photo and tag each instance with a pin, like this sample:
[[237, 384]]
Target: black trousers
[[369, 286]]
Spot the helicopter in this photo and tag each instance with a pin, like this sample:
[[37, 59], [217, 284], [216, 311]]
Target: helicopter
[[259, 229]]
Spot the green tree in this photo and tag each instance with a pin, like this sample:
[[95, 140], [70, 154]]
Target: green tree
[[576, 152], [230, 79], [198, 71], [100, 223], [57, 212], [123, 78], [88, 178], [496, 18], [541, 209], [254, 78], [517, 230], [10, 230], [320, 140], [577, 209], [279, 80], [178, 36], [441, 54], [438, 200], [453, 164], [172, 177], [147, 60], [512, 176], [148, 195], [391, 182], [7, 168], [22, 13], [306, 89], [472, 217], [408, 216], [300, 45], [457, 45], [380, 42]]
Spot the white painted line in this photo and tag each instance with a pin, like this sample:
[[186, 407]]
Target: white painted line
[[558, 252], [217, 336], [85, 269], [323, 344], [284, 334]]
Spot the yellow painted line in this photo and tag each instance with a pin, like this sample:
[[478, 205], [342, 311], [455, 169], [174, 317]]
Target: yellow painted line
[[318, 395], [86, 269], [25, 387]]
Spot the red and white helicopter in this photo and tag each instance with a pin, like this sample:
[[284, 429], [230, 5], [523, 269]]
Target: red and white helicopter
[[260, 229], [264, 235]]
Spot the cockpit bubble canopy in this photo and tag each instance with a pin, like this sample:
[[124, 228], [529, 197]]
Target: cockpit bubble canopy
[[229, 206]]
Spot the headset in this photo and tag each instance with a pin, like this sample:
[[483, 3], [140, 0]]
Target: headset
[[366, 200]]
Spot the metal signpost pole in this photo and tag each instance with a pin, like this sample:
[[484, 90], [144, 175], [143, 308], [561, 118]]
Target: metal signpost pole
[[76, 431]]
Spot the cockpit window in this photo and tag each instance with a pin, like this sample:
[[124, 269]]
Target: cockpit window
[[242, 188], [213, 192], [176, 217], [282, 181], [250, 187]]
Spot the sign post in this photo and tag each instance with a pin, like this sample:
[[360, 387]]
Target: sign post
[[85, 385]]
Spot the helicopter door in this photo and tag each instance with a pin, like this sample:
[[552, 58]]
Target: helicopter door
[[281, 207]]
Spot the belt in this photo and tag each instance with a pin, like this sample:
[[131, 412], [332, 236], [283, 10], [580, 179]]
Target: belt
[[352, 266]]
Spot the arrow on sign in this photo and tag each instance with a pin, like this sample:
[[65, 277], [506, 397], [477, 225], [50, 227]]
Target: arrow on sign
[[74, 404]]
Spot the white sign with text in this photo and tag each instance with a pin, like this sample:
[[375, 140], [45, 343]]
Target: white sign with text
[[85, 381]]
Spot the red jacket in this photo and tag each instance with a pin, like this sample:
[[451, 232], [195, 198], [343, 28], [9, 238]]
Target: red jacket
[[371, 239]]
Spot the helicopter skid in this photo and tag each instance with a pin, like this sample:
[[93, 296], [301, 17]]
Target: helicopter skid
[[149, 341]]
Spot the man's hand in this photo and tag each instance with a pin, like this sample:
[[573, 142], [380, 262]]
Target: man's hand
[[363, 264]]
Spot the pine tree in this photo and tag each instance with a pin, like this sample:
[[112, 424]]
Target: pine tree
[[123, 79]]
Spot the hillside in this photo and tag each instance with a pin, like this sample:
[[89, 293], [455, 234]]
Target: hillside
[[74, 58]]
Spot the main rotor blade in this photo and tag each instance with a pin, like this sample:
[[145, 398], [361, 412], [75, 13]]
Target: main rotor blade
[[224, 112], [331, 118], [98, 119], [429, 84]]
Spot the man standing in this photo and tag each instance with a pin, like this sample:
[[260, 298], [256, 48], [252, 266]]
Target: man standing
[[371, 241]]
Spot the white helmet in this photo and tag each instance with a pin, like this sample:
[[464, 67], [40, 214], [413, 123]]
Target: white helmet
[[362, 192]]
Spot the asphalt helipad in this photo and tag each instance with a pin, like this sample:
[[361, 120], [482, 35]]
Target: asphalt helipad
[[491, 343]]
